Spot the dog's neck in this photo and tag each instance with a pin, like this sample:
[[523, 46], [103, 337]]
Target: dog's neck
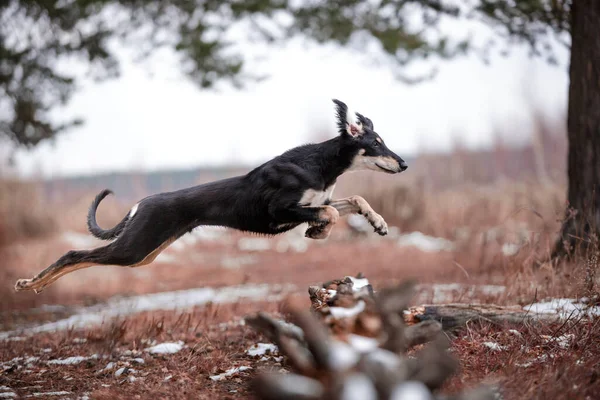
[[335, 158]]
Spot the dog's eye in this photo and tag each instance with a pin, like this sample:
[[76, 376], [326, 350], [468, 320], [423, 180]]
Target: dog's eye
[[375, 143]]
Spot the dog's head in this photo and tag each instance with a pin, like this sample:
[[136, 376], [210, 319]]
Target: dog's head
[[371, 152]]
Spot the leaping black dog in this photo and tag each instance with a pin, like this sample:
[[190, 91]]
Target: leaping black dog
[[291, 189]]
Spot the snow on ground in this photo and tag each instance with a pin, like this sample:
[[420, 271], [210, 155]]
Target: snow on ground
[[564, 308], [425, 243], [182, 299], [253, 244], [47, 394], [80, 240], [71, 360], [494, 346], [230, 262], [166, 348], [7, 393], [260, 349], [229, 372]]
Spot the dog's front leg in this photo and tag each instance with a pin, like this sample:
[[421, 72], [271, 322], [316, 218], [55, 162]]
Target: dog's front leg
[[358, 205], [320, 219]]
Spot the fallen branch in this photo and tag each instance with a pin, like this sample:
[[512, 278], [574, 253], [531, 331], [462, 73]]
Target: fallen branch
[[452, 316]]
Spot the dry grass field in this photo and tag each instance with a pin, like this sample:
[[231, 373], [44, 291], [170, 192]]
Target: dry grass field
[[470, 227]]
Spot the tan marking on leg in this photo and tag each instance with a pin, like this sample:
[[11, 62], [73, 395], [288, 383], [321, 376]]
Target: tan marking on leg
[[328, 217], [51, 274], [48, 276], [152, 256], [356, 204]]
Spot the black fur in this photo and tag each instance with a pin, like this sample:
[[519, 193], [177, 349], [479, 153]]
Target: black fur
[[266, 200], [104, 234]]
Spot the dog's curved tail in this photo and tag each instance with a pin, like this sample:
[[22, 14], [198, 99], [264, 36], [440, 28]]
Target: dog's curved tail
[[104, 234]]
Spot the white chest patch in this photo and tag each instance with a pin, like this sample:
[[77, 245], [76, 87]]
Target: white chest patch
[[315, 198]]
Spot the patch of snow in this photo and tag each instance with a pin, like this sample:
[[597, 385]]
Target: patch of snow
[[80, 340], [358, 283], [166, 348], [165, 258], [494, 346], [108, 367], [138, 360], [413, 390], [237, 262], [15, 339], [359, 387], [515, 332], [359, 223], [293, 240], [80, 240], [425, 243], [7, 393], [540, 359], [563, 341], [343, 312], [71, 360], [182, 299], [260, 349], [341, 356], [229, 372], [362, 344], [168, 378], [200, 234], [210, 233], [253, 244], [510, 249], [44, 394], [18, 360], [564, 308]]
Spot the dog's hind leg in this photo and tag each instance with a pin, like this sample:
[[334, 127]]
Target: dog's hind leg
[[358, 205], [112, 254], [72, 261]]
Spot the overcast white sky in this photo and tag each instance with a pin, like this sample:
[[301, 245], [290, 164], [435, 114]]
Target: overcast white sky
[[164, 121]]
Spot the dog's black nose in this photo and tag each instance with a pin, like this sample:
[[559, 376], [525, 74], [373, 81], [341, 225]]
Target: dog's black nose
[[403, 166]]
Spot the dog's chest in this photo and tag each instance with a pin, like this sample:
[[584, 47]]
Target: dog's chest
[[315, 198]]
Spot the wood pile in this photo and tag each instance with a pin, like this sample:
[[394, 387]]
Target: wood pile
[[354, 343]]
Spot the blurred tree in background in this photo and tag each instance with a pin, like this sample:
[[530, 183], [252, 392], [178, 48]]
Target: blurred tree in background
[[37, 36]]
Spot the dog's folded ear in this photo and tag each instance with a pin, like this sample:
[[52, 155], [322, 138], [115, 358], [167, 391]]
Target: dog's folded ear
[[345, 121]]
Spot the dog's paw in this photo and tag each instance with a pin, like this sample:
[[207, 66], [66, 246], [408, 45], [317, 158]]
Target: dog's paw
[[23, 284], [317, 232], [379, 225]]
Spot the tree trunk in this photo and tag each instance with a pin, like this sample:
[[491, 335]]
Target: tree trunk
[[582, 223]]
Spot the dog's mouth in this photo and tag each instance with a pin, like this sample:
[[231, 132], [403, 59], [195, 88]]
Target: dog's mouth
[[387, 170]]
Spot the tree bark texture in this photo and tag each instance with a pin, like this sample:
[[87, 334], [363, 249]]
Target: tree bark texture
[[583, 210]]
